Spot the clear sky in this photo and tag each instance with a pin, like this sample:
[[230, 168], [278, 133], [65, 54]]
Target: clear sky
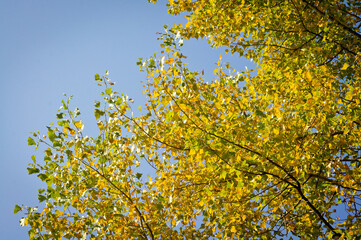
[[51, 47]]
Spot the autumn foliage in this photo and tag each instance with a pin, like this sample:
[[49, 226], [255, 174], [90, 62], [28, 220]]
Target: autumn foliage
[[269, 154]]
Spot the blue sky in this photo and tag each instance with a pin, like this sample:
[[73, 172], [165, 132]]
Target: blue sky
[[51, 47]]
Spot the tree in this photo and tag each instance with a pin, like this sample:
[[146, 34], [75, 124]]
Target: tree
[[245, 156]]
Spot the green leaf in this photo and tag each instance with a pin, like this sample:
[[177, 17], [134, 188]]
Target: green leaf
[[223, 174], [33, 170], [159, 206], [68, 236], [56, 144], [41, 198], [260, 113], [51, 135], [42, 176], [108, 91], [31, 141], [98, 113], [138, 175], [17, 209], [97, 77], [48, 152], [60, 115], [65, 105]]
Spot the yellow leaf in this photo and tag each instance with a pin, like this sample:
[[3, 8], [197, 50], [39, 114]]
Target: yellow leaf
[[263, 225], [100, 125], [78, 125], [72, 132], [345, 66], [183, 106], [276, 131], [170, 60], [308, 76]]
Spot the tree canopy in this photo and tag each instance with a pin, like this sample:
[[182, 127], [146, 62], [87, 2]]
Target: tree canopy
[[269, 154]]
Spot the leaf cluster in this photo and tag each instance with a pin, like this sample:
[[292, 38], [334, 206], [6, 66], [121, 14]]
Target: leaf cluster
[[268, 154]]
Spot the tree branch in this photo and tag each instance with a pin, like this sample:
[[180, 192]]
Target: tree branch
[[350, 30]]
